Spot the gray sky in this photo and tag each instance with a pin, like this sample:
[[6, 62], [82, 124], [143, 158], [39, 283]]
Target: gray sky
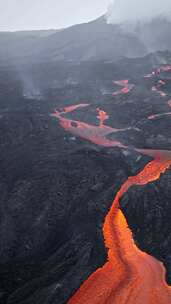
[[45, 14]]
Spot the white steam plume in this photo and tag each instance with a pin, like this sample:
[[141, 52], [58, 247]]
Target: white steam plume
[[131, 11]]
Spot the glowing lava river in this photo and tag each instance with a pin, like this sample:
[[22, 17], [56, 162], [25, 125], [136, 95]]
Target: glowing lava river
[[129, 276]]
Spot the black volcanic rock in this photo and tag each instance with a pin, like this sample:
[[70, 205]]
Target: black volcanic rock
[[56, 189]]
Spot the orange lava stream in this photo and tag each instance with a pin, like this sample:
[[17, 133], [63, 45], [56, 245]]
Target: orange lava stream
[[102, 117], [95, 134], [129, 276], [74, 107]]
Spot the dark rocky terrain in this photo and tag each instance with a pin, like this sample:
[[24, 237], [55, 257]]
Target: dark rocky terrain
[[92, 41], [56, 189]]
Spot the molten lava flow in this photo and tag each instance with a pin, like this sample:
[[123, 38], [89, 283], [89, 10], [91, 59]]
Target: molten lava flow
[[95, 134], [158, 87], [158, 71], [130, 276], [74, 107], [126, 87], [122, 82], [121, 279], [125, 90], [102, 117], [161, 83]]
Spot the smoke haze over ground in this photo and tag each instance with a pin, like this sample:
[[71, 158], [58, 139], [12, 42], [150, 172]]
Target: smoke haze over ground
[[121, 11]]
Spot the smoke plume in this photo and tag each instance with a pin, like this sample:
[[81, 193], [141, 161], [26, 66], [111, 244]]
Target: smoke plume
[[131, 11]]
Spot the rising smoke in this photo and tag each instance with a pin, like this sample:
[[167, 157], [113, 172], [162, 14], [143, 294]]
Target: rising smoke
[[148, 20], [29, 84], [131, 11]]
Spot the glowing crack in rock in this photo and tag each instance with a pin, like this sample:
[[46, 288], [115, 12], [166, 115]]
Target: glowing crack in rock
[[158, 87], [155, 116], [73, 108], [158, 90], [129, 276], [126, 87], [158, 71]]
